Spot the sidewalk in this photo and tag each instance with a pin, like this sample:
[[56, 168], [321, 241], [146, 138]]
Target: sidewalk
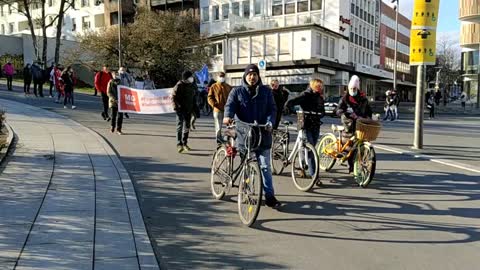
[[66, 201]]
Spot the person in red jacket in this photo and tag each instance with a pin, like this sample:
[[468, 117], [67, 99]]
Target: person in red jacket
[[101, 84]]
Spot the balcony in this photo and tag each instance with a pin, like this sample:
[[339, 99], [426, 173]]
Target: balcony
[[470, 35], [469, 11]]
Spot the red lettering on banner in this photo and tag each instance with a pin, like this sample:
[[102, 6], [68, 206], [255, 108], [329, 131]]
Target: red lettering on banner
[[129, 100]]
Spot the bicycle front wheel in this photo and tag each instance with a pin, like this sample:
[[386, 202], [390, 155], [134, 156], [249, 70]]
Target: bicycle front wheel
[[365, 164], [326, 149], [250, 193], [305, 167], [220, 173], [277, 155]]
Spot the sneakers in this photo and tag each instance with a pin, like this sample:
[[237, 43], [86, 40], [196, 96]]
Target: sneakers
[[318, 183], [119, 132], [272, 202], [112, 130], [64, 107], [103, 116], [73, 107], [127, 116], [180, 148], [186, 148]]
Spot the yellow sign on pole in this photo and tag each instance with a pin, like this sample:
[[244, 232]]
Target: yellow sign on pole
[[423, 33], [422, 47], [425, 14]]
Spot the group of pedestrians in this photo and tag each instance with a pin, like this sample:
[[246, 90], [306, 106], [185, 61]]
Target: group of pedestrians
[[392, 101]]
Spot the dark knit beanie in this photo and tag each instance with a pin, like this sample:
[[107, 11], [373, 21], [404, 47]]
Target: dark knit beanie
[[186, 74], [252, 68]]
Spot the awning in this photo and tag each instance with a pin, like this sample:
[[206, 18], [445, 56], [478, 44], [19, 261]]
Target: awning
[[400, 83]]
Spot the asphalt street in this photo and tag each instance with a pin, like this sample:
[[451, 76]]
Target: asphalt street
[[415, 215]]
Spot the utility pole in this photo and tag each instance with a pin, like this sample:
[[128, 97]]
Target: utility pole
[[478, 79], [419, 103], [397, 7], [119, 34]]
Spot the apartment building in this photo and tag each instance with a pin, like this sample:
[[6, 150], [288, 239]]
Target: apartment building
[[84, 15], [299, 39], [406, 75], [469, 14]]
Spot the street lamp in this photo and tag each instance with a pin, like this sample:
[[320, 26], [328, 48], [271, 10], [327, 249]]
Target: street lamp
[[396, 8], [119, 34]]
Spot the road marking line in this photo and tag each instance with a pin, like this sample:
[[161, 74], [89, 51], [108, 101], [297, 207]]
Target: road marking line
[[429, 158]]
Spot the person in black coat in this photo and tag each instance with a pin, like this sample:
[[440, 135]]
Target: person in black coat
[[27, 79], [280, 96], [38, 76]]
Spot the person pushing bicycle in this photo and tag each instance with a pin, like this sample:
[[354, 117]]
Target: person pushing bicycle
[[352, 107], [249, 103], [311, 100]]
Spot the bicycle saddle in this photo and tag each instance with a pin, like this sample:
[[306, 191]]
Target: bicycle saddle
[[232, 133], [337, 127]]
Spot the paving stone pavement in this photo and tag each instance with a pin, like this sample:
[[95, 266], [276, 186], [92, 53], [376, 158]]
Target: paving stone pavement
[[66, 200]]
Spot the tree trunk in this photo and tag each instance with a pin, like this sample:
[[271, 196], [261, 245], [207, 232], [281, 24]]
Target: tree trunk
[[58, 36], [32, 28]]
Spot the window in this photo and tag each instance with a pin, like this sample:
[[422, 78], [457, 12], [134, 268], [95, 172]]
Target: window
[[246, 9], [9, 9], [352, 8], [244, 47], [271, 45], [361, 13], [289, 6], [205, 14], [351, 36], [225, 11], [85, 23], [277, 7], [285, 43], [319, 44], [325, 46], [257, 46], [302, 6], [10, 28], [219, 48], [216, 13], [332, 48], [316, 4], [85, 3], [74, 23], [257, 7], [236, 8], [50, 3]]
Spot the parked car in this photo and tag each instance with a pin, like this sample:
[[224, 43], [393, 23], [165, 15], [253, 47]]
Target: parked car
[[331, 105]]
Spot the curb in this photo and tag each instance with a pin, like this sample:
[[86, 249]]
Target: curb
[[146, 256], [4, 151]]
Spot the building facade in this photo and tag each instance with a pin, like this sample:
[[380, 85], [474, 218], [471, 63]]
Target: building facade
[[406, 76], [469, 14], [299, 40], [85, 15]]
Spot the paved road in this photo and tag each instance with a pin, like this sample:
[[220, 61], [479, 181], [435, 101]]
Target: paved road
[[416, 215]]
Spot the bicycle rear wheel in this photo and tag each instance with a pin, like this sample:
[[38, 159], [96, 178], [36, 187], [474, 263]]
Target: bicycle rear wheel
[[220, 173], [250, 193], [325, 148], [302, 178], [277, 155], [364, 165]]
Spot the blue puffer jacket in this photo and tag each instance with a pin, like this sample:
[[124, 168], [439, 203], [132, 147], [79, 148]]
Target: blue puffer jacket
[[246, 107]]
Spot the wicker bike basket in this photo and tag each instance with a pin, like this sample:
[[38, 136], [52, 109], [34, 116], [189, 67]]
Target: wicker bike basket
[[368, 130]]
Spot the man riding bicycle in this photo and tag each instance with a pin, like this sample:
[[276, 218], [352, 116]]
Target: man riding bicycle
[[353, 106], [311, 100], [249, 103]]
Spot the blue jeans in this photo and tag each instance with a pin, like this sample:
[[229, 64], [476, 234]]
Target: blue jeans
[[263, 158], [312, 138]]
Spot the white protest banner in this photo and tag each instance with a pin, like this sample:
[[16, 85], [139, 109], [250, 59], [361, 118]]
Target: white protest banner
[[158, 101]]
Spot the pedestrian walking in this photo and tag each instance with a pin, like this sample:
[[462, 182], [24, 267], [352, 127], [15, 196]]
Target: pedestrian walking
[[148, 83], [389, 106], [51, 74], [59, 85], [38, 76], [27, 79], [183, 97], [438, 97], [69, 81], [253, 101], [217, 98], [9, 71], [280, 96], [396, 103], [431, 104], [112, 91], [95, 90], [126, 79], [463, 99], [102, 78]]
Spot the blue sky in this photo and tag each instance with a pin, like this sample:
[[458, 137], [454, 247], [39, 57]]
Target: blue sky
[[448, 21]]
